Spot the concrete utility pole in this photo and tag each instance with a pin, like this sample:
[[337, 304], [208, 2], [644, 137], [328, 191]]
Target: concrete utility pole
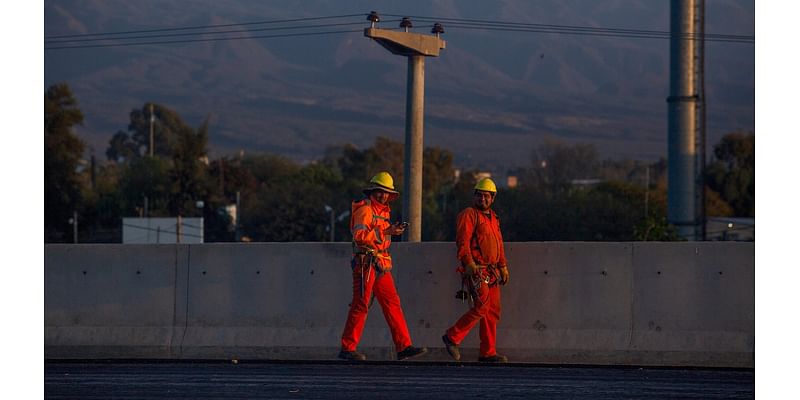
[[416, 47], [682, 124]]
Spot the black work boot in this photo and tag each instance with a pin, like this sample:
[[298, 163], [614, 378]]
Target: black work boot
[[352, 356], [497, 358], [411, 352], [451, 347]]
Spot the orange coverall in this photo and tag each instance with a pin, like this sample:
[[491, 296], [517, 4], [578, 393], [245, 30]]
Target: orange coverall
[[479, 240], [368, 221]]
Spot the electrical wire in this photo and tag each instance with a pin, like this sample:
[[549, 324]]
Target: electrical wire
[[206, 26], [203, 40], [203, 33], [601, 34], [452, 23], [551, 28]]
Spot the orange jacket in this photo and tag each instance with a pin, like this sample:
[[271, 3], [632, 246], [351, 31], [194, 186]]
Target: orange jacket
[[368, 220], [479, 239]]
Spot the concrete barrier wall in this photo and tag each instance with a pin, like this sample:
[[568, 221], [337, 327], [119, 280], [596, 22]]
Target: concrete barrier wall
[[568, 302]]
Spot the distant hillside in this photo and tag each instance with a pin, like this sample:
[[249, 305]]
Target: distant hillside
[[490, 98]]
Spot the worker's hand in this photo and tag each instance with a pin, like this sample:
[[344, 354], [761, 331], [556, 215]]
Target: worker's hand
[[395, 229], [471, 269], [503, 275]]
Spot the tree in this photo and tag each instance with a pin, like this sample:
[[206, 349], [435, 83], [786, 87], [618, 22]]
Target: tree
[[286, 201], [356, 167], [732, 173], [556, 164], [121, 148], [176, 177], [189, 173], [146, 178], [62, 154], [168, 128]]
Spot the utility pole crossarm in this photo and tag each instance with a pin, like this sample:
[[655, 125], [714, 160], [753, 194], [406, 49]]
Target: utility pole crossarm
[[406, 43], [415, 47]]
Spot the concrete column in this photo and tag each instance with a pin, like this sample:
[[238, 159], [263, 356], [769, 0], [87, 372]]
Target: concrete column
[[412, 171], [681, 120]]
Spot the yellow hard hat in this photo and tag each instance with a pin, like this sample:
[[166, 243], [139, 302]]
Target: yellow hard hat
[[486, 185], [382, 181]]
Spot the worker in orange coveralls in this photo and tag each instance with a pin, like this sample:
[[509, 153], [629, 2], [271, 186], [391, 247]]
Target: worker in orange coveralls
[[483, 267], [372, 265]]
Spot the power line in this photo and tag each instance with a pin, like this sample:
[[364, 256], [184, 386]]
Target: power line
[[457, 23], [205, 26], [201, 40], [202, 33], [568, 29], [599, 34]]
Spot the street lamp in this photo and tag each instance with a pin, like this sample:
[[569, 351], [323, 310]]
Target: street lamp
[[334, 218]]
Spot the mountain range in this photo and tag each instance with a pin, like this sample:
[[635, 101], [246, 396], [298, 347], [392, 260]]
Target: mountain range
[[490, 98]]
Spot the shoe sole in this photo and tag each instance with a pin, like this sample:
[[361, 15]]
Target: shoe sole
[[424, 351], [352, 358], [447, 345], [501, 361]]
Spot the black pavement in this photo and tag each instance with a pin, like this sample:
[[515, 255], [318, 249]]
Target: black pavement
[[385, 380]]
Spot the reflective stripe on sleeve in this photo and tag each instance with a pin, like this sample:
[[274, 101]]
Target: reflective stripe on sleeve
[[359, 227]]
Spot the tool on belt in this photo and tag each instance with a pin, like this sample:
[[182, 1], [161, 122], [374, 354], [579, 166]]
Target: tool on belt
[[365, 261], [472, 282]]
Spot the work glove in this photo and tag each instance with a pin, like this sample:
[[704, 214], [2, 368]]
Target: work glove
[[503, 275], [471, 269]]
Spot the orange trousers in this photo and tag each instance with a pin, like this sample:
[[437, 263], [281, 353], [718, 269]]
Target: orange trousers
[[486, 311], [382, 285]]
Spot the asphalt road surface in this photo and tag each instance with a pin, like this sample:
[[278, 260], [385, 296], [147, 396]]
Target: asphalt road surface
[[384, 380]]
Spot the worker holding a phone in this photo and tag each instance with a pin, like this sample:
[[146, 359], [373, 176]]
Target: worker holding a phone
[[372, 264]]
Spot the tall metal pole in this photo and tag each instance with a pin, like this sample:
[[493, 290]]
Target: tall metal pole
[[412, 170], [682, 151], [700, 28]]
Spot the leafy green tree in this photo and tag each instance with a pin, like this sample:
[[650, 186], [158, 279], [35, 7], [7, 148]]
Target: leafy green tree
[[149, 178], [169, 130], [189, 169], [287, 201], [62, 153], [438, 180], [732, 172], [175, 178], [226, 178], [356, 167], [121, 148]]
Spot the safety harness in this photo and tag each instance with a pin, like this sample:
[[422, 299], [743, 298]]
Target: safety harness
[[487, 275], [366, 257]]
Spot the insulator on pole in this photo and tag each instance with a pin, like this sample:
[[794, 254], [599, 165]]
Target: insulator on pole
[[373, 18], [406, 23], [437, 29]]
